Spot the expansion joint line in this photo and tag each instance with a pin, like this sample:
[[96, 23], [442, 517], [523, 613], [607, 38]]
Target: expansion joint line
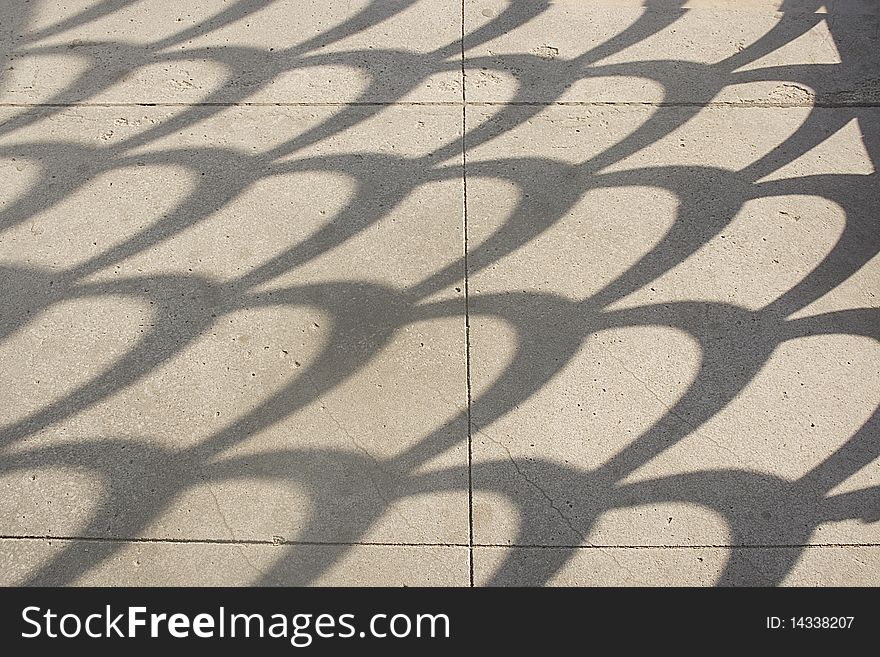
[[467, 317]]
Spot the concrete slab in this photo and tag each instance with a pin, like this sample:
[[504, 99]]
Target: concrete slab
[[258, 52], [218, 335], [730, 53], [176, 564], [238, 344], [763, 6], [703, 566], [636, 377]]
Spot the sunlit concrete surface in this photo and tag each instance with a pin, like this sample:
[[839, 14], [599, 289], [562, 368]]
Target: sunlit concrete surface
[[423, 292]]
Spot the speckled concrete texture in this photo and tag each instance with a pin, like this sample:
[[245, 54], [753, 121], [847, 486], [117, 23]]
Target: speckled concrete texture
[[432, 292]]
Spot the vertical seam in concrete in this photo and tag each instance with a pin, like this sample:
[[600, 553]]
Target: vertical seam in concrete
[[467, 317]]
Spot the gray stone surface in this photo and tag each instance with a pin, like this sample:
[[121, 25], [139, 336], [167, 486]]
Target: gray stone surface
[[175, 564], [639, 387], [673, 566], [722, 52], [269, 338], [239, 346], [205, 52]]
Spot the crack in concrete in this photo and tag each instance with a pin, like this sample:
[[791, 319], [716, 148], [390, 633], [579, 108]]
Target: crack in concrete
[[534, 484], [241, 550], [669, 409], [694, 428], [610, 553], [389, 504], [553, 505], [220, 510], [241, 547]]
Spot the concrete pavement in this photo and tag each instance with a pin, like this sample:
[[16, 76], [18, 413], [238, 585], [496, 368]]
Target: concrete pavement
[[320, 293]]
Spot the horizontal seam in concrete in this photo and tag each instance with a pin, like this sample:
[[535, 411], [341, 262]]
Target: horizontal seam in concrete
[[218, 541], [470, 103], [780, 546]]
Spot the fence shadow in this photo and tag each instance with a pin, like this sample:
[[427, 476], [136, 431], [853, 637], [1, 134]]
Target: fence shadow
[[141, 479]]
